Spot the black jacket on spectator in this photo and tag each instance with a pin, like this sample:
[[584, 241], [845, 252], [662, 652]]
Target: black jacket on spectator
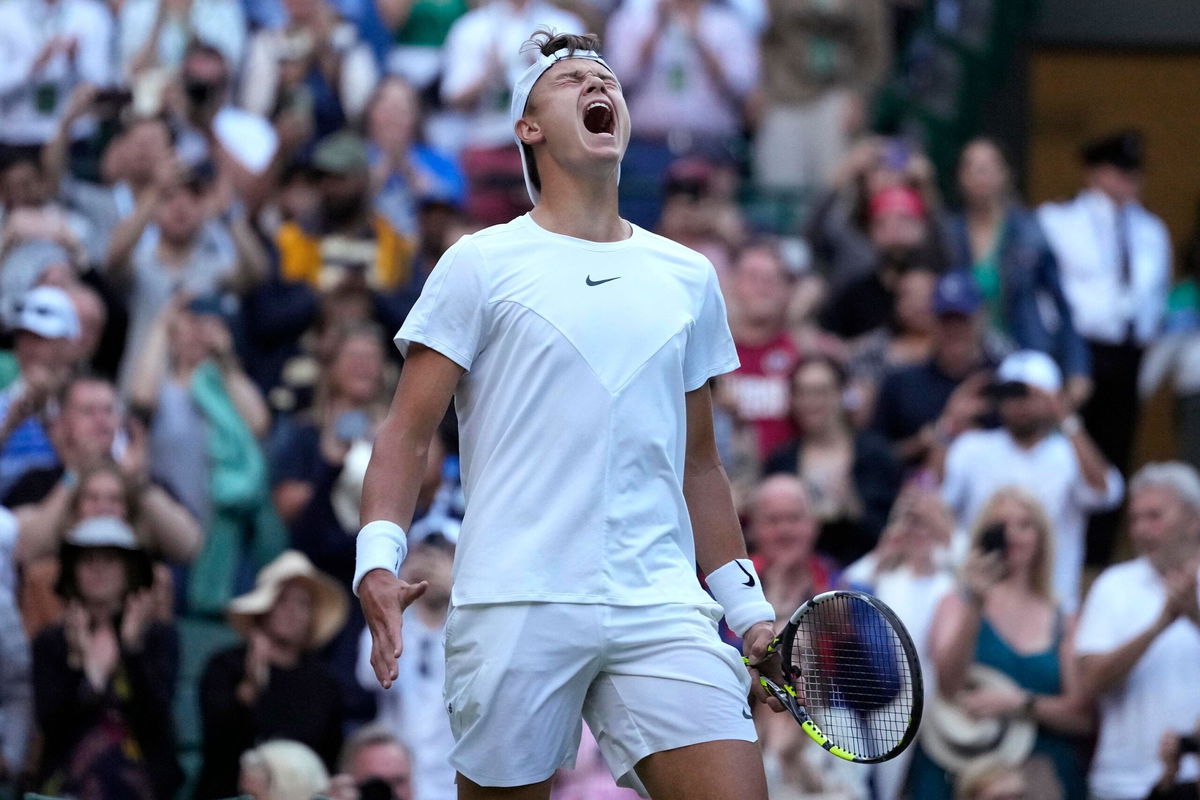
[[876, 476], [315, 531], [864, 305], [277, 314], [33, 486], [914, 396], [121, 739], [302, 704]]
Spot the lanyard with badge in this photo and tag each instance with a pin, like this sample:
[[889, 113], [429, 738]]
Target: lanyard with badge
[[49, 19]]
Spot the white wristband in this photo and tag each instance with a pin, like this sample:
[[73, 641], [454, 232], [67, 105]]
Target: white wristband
[[380, 545], [737, 588]]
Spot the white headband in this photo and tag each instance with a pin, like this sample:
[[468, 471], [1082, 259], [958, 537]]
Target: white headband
[[520, 97]]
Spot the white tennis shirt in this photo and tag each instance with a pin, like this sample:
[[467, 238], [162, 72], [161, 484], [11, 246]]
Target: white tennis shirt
[[571, 413]]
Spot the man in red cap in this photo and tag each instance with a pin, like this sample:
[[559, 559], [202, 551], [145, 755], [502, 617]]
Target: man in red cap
[[899, 227]]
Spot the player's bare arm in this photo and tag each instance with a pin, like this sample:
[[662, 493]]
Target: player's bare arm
[[715, 526], [390, 489]]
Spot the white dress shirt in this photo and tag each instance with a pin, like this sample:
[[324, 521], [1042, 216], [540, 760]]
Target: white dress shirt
[[32, 100], [979, 463], [1085, 236]]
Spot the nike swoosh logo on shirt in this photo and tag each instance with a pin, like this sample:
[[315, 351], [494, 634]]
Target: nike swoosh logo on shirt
[[747, 714], [749, 578], [591, 282]]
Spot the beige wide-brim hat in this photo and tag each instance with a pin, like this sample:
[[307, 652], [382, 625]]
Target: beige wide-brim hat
[[330, 604], [956, 740]]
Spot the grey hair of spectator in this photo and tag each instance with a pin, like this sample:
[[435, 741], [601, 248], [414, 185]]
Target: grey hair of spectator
[[1179, 478], [293, 770], [372, 734]]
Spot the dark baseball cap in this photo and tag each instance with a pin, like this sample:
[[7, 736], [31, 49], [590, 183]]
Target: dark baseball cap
[[1124, 150], [956, 293]]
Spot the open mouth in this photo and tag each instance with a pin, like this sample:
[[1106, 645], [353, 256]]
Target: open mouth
[[598, 118]]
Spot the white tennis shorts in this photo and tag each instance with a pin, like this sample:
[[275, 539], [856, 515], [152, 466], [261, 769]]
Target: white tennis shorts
[[520, 676]]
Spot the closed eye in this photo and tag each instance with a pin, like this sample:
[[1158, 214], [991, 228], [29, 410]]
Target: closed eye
[[578, 76]]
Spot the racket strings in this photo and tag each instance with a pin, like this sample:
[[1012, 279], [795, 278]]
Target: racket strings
[[858, 685]]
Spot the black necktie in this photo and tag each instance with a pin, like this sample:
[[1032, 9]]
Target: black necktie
[[1126, 267]]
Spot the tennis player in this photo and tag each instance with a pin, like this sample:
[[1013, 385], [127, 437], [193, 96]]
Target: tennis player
[[578, 349]]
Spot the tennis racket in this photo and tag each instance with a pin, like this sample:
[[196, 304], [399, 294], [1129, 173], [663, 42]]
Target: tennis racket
[[862, 691]]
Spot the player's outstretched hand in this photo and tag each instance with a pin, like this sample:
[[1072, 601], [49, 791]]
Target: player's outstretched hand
[[762, 663], [384, 598]]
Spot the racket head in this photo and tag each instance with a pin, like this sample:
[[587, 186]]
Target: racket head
[[863, 693]]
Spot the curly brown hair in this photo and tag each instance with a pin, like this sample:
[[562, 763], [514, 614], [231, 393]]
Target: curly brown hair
[[548, 42]]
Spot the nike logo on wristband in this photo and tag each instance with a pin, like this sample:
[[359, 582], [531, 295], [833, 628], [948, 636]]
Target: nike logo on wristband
[[749, 578]]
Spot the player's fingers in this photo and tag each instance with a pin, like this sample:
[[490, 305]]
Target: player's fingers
[[381, 648], [759, 690], [380, 663], [411, 592], [763, 693], [395, 620], [757, 648], [385, 643]]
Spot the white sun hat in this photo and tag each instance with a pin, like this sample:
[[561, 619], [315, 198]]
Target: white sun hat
[[955, 739], [520, 97]]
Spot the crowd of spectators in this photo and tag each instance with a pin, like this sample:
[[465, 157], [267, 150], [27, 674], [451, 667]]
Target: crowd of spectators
[[215, 213]]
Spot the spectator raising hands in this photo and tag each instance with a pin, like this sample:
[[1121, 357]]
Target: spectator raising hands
[[105, 678], [316, 65], [206, 417]]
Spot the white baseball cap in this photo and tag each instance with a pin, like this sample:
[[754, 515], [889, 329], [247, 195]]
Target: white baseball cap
[[520, 97], [48, 312], [1031, 368]]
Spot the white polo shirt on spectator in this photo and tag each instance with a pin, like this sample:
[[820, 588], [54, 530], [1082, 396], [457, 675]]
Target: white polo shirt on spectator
[[1160, 694], [571, 413], [981, 462]]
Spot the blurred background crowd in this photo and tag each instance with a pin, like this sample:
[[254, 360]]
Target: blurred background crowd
[[956, 242]]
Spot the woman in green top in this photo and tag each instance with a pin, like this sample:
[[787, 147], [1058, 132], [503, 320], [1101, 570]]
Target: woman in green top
[[419, 28], [1005, 617], [1003, 246]]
